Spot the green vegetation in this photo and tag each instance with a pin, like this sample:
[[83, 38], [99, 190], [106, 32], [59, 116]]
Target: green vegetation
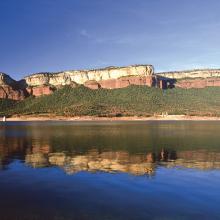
[[130, 101], [6, 106]]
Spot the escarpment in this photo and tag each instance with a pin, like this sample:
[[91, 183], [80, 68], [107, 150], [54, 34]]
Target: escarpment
[[107, 78], [11, 89], [82, 76], [46, 83], [199, 78], [191, 74]]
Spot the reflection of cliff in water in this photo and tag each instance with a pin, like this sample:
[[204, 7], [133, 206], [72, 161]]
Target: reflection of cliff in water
[[41, 154], [122, 161]]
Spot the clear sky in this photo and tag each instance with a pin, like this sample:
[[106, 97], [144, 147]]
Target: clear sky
[[54, 35]]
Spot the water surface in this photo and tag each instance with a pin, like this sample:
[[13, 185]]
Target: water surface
[[110, 170]]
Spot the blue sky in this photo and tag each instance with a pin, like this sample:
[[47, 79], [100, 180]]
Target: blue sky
[[54, 35]]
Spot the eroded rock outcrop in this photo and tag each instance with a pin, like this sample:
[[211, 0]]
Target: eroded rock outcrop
[[191, 74], [40, 90], [46, 83], [127, 81], [82, 76], [6, 80], [192, 78], [108, 78], [8, 92], [10, 89]]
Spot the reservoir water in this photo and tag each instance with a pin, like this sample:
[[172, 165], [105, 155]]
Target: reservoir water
[[110, 170]]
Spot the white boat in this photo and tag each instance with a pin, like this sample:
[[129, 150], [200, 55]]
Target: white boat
[[4, 119]]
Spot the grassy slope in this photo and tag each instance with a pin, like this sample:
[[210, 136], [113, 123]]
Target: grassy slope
[[133, 100]]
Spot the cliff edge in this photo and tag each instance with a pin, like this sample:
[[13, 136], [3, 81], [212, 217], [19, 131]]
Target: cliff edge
[[108, 78], [82, 76]]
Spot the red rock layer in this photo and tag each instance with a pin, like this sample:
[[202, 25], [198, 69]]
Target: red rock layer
[[121, 82], [126, 81], [40, 90], [198, 83], [92, 85], [8, 92]]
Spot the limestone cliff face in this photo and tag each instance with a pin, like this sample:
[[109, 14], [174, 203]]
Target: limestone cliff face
[[199, 78], [108, 78], [46, 83], [191, 74], [82, 76]]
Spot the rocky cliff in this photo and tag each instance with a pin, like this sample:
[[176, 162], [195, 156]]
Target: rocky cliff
[[199, 78], [108, 78], [82, 76], [6, 79], [191, 74], [46, 83], [11, 89]]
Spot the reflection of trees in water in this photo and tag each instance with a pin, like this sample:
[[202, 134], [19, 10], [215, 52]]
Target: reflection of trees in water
[[40, 154], [166, 155], [17, 147], [11, 148]]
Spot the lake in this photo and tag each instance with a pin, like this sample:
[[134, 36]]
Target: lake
[[110, 170]]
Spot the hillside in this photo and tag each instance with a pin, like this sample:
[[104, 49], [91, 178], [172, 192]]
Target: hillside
[[129, 101]]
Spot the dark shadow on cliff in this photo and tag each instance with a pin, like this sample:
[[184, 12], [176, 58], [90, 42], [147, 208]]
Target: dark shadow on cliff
[[164, 82]]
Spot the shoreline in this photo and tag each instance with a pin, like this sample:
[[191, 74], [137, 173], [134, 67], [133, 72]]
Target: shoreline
[[131, 118]]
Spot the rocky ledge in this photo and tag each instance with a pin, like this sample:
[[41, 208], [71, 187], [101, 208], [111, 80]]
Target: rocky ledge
[[108, 78], [82, 76], [46, 83], [191, 74]]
